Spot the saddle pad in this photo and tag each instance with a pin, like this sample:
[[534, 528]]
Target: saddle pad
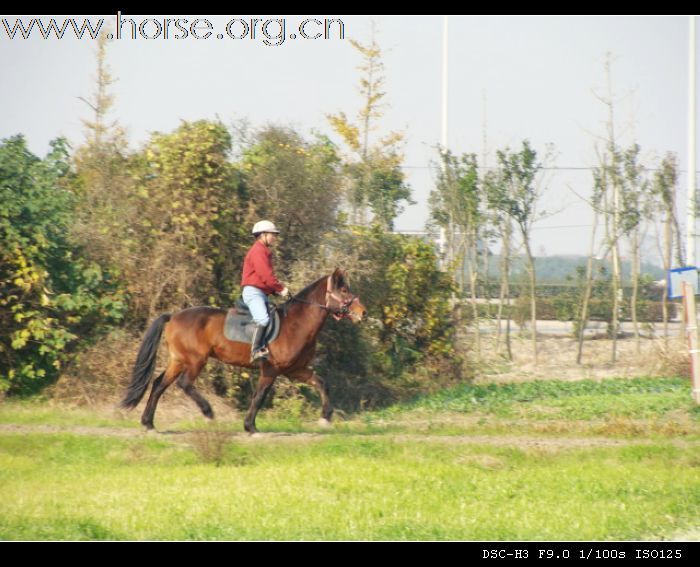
[[240, 327]]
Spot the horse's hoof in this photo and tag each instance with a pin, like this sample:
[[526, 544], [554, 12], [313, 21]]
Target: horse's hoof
[[323, 422]]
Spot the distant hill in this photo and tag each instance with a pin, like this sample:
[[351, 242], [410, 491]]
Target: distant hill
[[555, 269]]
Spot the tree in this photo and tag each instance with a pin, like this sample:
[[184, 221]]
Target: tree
[[407, 294], [611, 202], [497, 196], [664, 188], [582, 318], [186, 191], [296, 183], [375, 178], [49, 292], [519, 202], [456, 204], [635, 209], [104, 213]]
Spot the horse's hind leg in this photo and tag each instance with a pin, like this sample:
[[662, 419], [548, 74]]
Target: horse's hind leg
[[308, 376], [264, 384], [160, 384], [186, 382]]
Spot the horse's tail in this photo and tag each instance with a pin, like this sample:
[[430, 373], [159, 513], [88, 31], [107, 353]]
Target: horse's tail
[[145, 362]]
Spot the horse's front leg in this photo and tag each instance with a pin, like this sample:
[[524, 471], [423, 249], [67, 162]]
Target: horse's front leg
[[308, 376], [267, 379]]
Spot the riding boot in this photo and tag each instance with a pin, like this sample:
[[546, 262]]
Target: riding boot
[[258, 350]]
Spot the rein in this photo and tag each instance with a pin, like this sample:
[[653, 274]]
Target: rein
[[339, 313]]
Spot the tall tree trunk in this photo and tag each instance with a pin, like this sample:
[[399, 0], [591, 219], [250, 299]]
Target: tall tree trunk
[[533, 299], [668, 243], [583, 317], [486, 282], [617, 299], [615, 235], [501, 299], [473, 273], [614, 232], [505, 289], [674, 234], [635, 268]]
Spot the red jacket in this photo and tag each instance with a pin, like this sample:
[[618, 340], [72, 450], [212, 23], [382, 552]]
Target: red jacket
[[257, 269]]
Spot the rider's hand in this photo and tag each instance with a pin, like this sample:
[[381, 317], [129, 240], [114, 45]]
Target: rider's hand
[[284, 293]]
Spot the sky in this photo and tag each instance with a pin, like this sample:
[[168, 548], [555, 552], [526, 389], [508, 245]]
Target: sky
[[509, 79]]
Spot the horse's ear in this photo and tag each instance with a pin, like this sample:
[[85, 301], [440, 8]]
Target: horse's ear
[[338, 279]]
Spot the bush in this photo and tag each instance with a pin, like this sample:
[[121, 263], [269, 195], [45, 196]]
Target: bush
[[410, 327], [49, 294]]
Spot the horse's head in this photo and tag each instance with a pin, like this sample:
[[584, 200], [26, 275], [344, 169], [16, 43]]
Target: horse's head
[[340, 300]]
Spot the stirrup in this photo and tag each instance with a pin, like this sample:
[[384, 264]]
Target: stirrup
[[260, 354]]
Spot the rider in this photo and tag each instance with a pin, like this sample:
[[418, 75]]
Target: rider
[[259, 281]]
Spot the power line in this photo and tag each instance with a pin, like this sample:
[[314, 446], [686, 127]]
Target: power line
[[557, 227], [562, 226], [567, 168]]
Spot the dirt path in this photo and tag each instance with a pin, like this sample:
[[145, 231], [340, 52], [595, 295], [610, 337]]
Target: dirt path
[[524, 441]]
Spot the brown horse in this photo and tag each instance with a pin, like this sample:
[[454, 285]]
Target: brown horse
[[195, 334]]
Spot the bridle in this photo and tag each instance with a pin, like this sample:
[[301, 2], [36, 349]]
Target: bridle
[[340, 311]]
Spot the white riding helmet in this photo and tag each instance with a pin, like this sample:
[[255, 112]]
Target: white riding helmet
[[264, 226]]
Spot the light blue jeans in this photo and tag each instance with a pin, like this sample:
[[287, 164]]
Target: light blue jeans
[[256, 300]]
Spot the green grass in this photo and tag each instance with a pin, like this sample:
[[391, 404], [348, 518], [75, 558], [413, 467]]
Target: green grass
[[501, 398], [584, 407], [63, 486], [661, 405], [36, 412], [630, 473]]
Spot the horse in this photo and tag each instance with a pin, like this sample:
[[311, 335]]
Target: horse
[[197, 333]]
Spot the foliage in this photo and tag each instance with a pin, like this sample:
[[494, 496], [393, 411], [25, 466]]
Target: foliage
[[374, 177], [408, 296], [635, 205], [519, 200], [664, 187], [130, 234], [457, 206], [456, 197], [189, 200], [49, 293], [297, 184]]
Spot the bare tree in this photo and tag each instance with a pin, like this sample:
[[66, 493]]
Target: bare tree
[[588, 286], [611, 202]]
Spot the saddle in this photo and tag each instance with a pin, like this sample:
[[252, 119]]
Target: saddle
[[240, 327]]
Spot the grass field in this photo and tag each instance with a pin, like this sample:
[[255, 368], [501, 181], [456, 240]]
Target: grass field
[[610, 460]]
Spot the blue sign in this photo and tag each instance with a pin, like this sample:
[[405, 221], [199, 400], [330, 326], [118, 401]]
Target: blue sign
[[677, 276]]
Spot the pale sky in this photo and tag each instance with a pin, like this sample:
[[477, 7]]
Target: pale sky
[[534, 77]]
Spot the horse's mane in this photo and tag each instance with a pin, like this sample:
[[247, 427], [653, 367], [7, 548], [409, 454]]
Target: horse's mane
[[309, 288], [284, 307]]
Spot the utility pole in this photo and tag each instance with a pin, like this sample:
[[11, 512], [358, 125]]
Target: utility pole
[[691, 315], [442, 242], [692, 194]]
